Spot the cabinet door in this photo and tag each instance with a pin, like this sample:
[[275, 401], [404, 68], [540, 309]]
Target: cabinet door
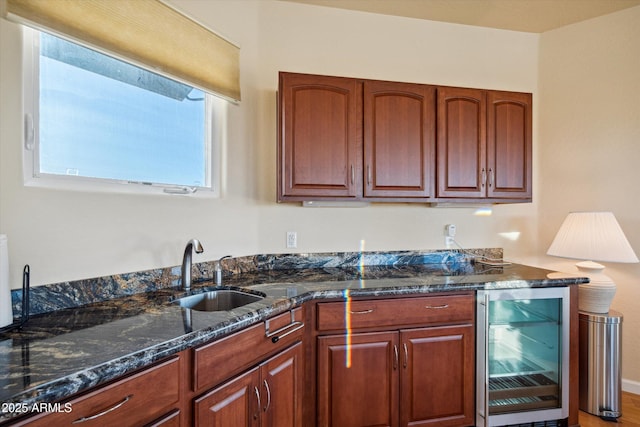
[[399, 139], [509, 145], [461, 158], [282, 389], [233, 404], [320, 141], [437, 376], [358, 380]]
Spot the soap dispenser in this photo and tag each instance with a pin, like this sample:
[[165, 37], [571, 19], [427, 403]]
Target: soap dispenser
[[219, 270]]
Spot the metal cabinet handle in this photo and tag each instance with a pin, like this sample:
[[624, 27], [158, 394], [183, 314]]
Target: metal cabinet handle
[[353, 175], [436, 307], [105, 412], [490, 177], [406, 355], [255, 389], [368, 174], [395, 357], [484, 177], [362, 312], [266, 386]]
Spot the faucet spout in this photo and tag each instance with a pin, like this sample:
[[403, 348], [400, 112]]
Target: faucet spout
[[192, 245]]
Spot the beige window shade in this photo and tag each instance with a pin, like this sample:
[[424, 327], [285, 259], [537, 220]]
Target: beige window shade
[[147, 32]]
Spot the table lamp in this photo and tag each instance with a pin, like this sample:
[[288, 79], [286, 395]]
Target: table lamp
[[593, 236]]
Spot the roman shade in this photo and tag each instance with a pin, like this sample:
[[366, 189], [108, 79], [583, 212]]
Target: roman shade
[[145, 32]]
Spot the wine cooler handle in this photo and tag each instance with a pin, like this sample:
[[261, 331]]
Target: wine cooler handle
[[485, 344]]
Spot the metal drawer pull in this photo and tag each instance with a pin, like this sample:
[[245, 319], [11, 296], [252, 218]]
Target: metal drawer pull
[[105, 412], [266, 386], [362, 312], [436, 307]]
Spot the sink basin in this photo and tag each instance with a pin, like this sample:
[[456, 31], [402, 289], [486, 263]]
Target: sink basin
[[220, 300]]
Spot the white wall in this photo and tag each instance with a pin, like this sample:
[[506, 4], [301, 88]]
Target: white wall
[[589, 139], [66, 235]]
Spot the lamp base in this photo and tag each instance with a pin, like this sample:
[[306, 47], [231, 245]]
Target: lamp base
[[595, 296]]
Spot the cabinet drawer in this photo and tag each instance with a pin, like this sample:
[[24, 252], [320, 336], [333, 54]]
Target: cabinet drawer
[[220, 360], [361, 314], [133, 401]]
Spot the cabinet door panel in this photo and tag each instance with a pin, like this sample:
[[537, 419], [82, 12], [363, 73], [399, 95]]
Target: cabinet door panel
[[319, 148], [282, 389], [461, 169], [509, 144], [399, 139], [358, 380], [437, 376], [234, 404]]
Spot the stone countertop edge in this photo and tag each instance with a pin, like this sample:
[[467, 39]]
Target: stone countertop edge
[[61, 388]]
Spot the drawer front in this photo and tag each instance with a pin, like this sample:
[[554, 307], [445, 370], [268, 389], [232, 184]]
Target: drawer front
[[220, 360], [133, 401], [360, 314]]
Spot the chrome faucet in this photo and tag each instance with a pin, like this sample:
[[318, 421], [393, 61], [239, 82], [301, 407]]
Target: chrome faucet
[[192, 245]]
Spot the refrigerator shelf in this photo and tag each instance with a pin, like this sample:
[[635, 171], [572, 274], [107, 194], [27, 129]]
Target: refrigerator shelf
[[522, 386]]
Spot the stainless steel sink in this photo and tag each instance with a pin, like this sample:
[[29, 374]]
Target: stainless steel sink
[[220, 300]]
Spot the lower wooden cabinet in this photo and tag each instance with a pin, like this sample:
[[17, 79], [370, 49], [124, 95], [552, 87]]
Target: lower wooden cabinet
[[133, 401], [437, 377], [267, 395], [358, 380], [405, 377]]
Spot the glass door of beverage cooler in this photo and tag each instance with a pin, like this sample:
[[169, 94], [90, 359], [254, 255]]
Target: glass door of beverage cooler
[[522, 356]]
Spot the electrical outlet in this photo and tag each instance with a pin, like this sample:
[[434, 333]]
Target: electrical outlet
[[450, 230], [292, 239]]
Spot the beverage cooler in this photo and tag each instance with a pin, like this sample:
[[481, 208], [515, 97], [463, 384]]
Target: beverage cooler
[[522, 356]]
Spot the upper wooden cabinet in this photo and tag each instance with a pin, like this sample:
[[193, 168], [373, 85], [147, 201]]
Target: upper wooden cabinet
[[509, 146], [342, 138], [320, 133], [484, 145], [399, 139], [354, 139]]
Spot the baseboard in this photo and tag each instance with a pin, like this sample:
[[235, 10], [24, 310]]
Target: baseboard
[[631, 386]]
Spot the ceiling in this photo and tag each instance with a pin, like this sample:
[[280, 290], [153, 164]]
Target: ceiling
[[534, 16]]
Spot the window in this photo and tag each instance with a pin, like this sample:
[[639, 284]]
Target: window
[[96, 122]]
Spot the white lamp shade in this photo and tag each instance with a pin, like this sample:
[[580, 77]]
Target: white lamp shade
[[594, 236]]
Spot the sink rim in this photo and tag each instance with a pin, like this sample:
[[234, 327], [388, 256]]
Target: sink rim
[[207, 298]]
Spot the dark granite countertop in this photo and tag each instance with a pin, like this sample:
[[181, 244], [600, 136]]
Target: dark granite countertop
[[65, 352]]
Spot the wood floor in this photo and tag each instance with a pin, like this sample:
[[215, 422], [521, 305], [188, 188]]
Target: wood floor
[[630, 414]]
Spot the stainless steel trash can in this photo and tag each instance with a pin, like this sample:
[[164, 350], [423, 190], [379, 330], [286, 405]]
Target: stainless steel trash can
[[601, 364]]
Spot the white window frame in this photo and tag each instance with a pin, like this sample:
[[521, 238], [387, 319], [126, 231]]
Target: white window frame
[[215, 116]]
